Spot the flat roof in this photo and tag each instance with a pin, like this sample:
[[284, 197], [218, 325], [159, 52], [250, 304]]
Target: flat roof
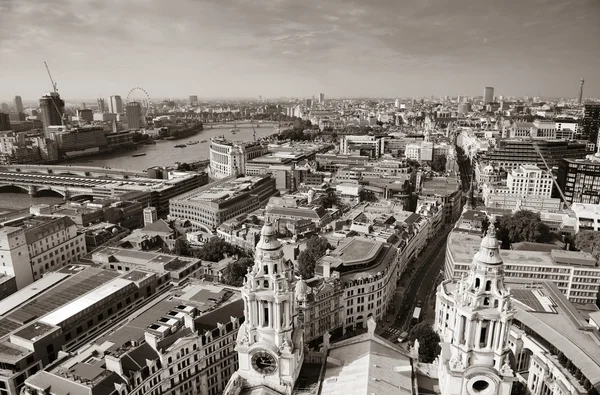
[[78, 305], [30, 291], [73, 287]]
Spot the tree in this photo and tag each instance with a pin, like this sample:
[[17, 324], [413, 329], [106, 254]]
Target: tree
[[429, 341], [235, 271], [439, 163], [316, 247], [216, 248], [367, 196], [522, 226], [181, 247], [332, 199], [588, 240], [518, 389]]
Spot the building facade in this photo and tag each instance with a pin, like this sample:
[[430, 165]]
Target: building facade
[[52, 110], [228, 158], [39, 245], [580, 180], [209, 206], [116, 105]]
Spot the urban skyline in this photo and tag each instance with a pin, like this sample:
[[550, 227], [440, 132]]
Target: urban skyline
[[282, 48]]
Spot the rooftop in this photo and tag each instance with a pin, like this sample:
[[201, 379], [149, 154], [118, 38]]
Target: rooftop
[[220, 191]]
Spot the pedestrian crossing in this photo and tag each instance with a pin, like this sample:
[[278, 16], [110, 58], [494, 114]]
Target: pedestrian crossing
[[392, 332]]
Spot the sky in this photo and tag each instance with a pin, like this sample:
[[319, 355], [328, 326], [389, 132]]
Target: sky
[[298, 48]]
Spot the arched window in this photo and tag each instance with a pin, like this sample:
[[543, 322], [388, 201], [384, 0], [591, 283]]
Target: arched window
[[486, 301], [488, 285], [477, 283]]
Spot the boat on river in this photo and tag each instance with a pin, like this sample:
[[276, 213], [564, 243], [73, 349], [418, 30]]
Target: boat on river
[[180, 146], [204, 141], [192, 142], [140, 154]]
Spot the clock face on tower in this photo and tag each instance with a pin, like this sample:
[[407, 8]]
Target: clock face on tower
[[264, 363]]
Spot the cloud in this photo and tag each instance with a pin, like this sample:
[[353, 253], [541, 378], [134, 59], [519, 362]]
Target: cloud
[[378, 40]]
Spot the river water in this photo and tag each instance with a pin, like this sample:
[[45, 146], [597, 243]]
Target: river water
[[161, 154], [164, 153]]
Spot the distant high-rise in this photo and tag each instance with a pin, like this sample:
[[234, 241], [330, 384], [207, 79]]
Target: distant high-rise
[[85, 115], [581, 90], [309, 103], [4, 122], [193, 100], [590, 124], [18, 104], [321, 98], [4, 108], [134, 115], [116, 104], [101, 106], [488, 95], [53, 108]]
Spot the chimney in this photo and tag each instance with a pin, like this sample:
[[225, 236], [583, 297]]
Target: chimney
[[113, 364]]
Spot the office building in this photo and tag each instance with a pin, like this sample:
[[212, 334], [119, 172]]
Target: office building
[[209, 206], [150, 215], [182, 345], [321, 98], [85, 115], [60, 313], [308, 103], [370, 146], [101, 106], [229, 158], [4, 108], [18, 104], [575, 274], [579, 179], [527, 187], [488, 95], [590, 122], [4, 122], [193, 99], [509, 154], [134, 115], [116, 104], [368, 270], [475, 349], [37, 245], [53, 109]]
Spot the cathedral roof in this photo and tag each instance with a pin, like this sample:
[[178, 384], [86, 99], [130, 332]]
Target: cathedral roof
[[268, 238], [489, 251]]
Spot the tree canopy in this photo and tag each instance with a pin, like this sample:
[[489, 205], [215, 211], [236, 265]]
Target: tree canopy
[[316, 247], [234, 272], [439, 163], [429, 341], [522, 226], [332, 199], [216, 248], [181, 247], [589, 241]]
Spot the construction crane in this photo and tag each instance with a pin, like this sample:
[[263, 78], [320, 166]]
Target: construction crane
[[55, 90], [51, 80], [549, 170]]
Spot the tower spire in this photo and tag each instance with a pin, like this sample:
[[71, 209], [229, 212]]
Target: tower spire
[[581, 90]]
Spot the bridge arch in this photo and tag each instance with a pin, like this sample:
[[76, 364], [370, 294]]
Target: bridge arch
[[47, 189], [3, 187]]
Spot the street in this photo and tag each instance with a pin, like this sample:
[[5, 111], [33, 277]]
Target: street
[[421, 287]]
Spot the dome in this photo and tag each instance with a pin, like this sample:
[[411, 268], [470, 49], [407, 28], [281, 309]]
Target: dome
[[268, 238], [489, 252]]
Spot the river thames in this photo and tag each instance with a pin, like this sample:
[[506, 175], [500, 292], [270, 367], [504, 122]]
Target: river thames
[[163, 153]]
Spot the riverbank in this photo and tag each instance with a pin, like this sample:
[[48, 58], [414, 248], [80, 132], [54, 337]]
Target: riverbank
[[163, 153]]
